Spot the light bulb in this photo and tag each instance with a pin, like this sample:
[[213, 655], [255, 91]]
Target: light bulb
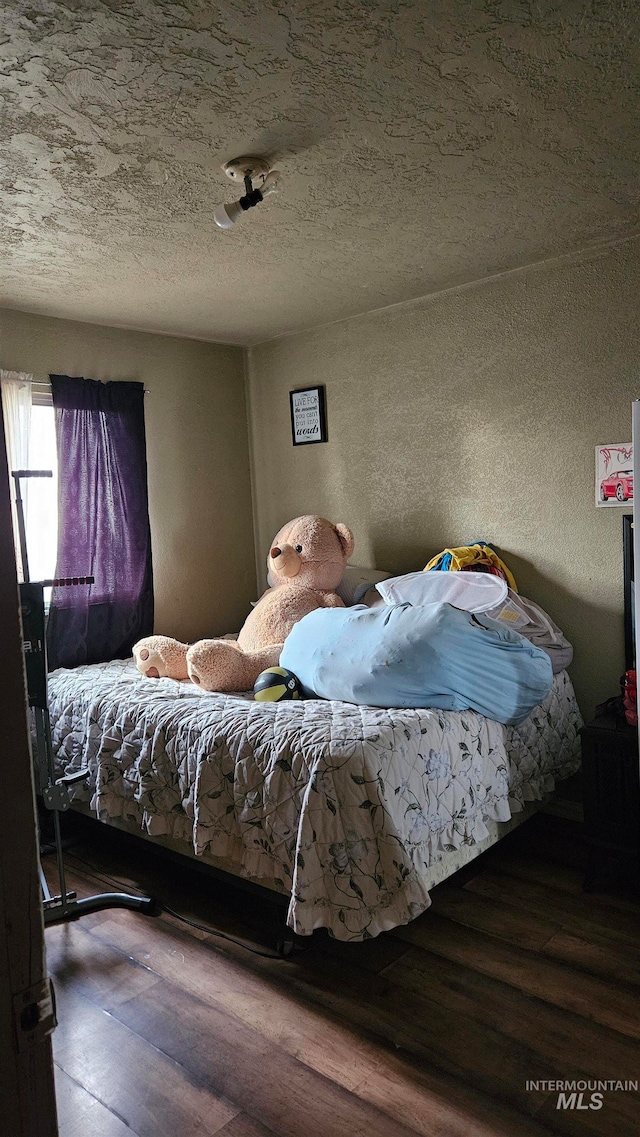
[[270, 183], [226, 215]]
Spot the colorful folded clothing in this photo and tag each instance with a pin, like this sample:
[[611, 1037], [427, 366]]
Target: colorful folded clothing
[[478, 556], [490, 570]]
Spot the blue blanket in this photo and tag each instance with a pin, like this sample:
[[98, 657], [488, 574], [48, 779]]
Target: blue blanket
[[433, 655]]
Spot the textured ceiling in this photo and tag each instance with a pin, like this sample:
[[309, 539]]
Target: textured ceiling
[[424, 144]]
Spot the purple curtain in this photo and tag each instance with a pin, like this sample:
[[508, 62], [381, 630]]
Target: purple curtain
[[103, 522]]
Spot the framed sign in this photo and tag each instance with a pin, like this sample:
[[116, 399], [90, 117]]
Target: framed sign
[[614, 474], [308, 416]]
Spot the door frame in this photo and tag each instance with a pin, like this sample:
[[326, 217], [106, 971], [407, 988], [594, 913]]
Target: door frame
[[28, 1106]]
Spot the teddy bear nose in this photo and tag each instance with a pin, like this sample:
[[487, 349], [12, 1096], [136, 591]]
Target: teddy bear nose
[[285, 560]]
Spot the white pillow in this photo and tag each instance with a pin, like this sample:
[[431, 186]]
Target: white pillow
[[356, 581], [471, 591]]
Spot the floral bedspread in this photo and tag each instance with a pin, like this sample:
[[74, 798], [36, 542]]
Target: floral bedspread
[[343, 807]]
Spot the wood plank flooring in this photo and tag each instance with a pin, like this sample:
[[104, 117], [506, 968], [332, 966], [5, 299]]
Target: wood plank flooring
[[514, 974]]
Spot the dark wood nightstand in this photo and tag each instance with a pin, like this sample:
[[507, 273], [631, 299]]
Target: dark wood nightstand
[[611, 787]]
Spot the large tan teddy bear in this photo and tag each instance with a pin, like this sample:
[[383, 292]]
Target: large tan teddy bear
[[305, 564]]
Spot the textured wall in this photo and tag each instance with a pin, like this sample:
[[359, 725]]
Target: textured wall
[[474, 414], [423, 145], [197, 452]]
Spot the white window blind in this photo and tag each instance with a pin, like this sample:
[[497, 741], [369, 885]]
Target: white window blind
[[31, 444]]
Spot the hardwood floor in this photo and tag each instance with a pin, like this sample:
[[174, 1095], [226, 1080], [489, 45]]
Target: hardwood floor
[[513, 975]]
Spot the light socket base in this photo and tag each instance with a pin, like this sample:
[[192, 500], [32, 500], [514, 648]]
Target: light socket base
[[238, 168]]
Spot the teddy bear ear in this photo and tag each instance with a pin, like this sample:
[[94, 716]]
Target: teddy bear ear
[[345, 537]]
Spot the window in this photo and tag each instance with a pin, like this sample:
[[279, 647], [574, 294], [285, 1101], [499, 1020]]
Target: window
[[29, 425], [41, 494]]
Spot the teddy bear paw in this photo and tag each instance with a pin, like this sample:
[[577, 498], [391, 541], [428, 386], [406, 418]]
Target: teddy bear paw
[[159, 657], [216, 665], [220, 665]]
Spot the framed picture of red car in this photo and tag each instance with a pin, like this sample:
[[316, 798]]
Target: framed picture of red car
[[614, 474]]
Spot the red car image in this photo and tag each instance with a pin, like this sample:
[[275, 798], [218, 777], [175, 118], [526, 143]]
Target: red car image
[[618, 484]]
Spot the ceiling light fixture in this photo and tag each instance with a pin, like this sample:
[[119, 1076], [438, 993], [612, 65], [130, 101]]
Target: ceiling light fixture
[[246, 169]]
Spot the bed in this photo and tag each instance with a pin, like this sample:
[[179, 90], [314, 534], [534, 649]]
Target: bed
[[353, 812]]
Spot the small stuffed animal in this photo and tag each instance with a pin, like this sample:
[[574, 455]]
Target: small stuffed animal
[[305, 565]]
